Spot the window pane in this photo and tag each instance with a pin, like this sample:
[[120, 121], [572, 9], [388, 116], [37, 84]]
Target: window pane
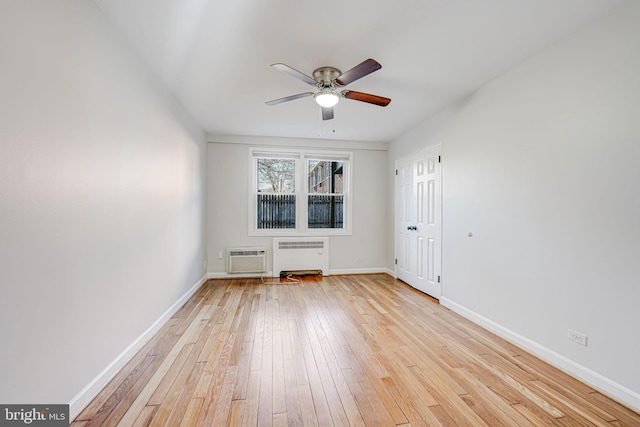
[[276, 211], [325, 177], [326, 211], [276, 176]]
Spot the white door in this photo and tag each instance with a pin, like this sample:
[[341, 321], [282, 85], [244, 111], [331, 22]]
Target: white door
[[404, 221], [418, 220]]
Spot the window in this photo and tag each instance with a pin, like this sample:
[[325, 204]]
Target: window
[[297, 192], [325, 200], [276, 197]]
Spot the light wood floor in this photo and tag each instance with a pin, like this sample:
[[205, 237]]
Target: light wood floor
[[341, 350]]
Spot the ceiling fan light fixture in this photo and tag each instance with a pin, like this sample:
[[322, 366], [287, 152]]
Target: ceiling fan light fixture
[[326, 98]]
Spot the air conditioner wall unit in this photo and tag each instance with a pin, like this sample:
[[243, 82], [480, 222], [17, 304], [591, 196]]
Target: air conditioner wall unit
[[246, 260]]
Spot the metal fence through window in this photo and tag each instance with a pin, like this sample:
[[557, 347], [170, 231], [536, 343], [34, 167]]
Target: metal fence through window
[[276, 211]]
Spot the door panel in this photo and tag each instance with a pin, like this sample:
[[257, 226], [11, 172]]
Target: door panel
[[431, 202], [431, 260], [420, 257], [404, 189], [420, 202], [418, 220]]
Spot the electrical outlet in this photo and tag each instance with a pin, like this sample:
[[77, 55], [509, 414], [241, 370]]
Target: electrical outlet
[[577, 337], [220, 255], [204, 264]]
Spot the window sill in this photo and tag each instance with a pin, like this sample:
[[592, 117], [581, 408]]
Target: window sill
[[297, 233]]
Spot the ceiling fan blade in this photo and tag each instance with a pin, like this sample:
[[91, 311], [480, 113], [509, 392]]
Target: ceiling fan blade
[[327, 113], [289, 98], [366, 97], [295, 73], [359, 71]]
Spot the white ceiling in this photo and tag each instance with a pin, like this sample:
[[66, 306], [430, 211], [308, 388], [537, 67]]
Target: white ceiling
[[215, 56]]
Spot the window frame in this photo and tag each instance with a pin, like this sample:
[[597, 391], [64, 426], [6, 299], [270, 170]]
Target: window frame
[[301, 157]]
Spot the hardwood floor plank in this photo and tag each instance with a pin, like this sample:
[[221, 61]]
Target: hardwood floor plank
[[292, 400], [329, 365], [280, 420], [224, 402], [623, 415], [150, 388], [537, 419], [320, 403], [396, 366], [258, 340], [445, 383], [374, 387], [244, 367], [488, 415], [580, 402], [145, 359], [571, 407], [403, 403], [482, 397], [519, 386], [329, 387], [116, 390], [443, 416], [173, 407], [307, 408], [235, 414], [448, 399], [212, 382], [250, 410], [241, 323], [370, 415], [298, 356], [117, 405], [145, 417], [340, 350], [118, 386], [164, 387], [265, 405], [278, 384], [190, 417]]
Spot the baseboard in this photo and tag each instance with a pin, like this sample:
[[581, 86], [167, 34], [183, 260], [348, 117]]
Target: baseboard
[[84, 397], [339, 271], [268, 274], [224, 275], [599, 382]]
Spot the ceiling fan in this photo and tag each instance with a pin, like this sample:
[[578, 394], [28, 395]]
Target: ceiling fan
[[329, 81]]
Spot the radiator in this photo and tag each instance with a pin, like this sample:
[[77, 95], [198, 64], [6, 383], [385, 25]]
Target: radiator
[[246, 260], [300, 254]]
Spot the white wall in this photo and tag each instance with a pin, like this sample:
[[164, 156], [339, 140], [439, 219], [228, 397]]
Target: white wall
[[542, 166], [102, 186], [228, 187]]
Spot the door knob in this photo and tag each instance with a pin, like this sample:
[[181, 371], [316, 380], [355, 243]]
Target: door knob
[[412, 227]]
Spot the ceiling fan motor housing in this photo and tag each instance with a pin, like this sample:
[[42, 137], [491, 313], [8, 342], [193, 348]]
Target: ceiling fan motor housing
[[326, 76]]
